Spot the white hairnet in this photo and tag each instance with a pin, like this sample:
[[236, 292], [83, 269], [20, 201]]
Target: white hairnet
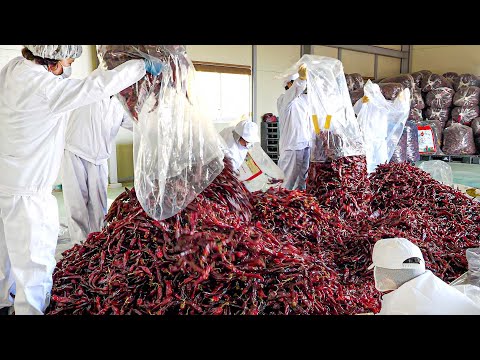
[[392, 279], [56, 52]]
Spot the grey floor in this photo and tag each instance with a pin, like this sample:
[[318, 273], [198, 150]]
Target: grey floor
[[464, 174]]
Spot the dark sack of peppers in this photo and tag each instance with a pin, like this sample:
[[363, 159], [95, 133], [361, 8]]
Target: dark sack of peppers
[[177, 152], [336, 132], [458, 140], [429, 141]]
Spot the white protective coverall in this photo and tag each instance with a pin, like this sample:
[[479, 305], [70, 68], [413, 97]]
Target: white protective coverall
[[296, 134], [427, 295], [34, 105], [234, 150], [91, 131]]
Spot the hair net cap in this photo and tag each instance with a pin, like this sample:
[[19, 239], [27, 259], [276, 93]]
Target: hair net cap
[[292, 77], [248, 130], [391, 254], [56, 52]]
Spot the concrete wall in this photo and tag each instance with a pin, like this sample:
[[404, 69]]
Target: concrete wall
[[442, 58]]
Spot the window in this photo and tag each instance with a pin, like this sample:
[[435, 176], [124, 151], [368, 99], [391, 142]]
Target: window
[[224, 91]]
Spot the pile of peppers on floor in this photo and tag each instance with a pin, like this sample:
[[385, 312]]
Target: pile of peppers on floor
[[279, 252]]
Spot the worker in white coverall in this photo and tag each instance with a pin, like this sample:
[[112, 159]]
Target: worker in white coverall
[[91, 130], [296, 131], [409, 289], [35, 99], [239, 139]]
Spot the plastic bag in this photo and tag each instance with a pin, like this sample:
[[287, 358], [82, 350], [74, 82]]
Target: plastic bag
[[381, 122], [416, 99], [434, 81], [465, 114], [177, 151], [452, 76], [400, 152], [439, 114], [473, 259], [439, 170], [429, 138], [419, 75], [356, 95], [336, 131], [412, 152], [358, 81], [440, 97], [467, 96], [350, 82], [458, 140], [390, 90], [258, 171], [466, 80], [415, 114], [476, 126], [406, 80]]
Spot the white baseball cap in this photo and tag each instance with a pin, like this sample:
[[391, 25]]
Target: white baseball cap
[[292, 77], [248, 130], [391, 254]]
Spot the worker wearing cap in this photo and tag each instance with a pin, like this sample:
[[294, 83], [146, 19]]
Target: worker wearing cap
[[239, 139], [36, 97], [410, 289], [296, 131]]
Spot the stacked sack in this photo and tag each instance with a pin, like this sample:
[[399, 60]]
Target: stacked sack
[[476, 132], [459, 140], [407, 147], [355, 83]]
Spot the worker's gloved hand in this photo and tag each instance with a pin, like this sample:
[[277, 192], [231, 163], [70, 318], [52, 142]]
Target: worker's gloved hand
[[153, 66], [302, 72]]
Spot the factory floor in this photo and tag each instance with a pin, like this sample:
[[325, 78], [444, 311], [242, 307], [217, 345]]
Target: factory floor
[[464, 174]]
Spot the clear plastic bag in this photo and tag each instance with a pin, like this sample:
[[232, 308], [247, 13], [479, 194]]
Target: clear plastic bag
[[466, 80], [381, 122], [336, 131], [458, 140], [416, 99], [400, 153], [258, 171], [467, 96], [412, 153], [451, 75], [358, 81], [440, 97], [438, 170], [429, 138], [406, 80], [439, 114], [177, 151], [465, 114], [419, 75], [473, 259], [434, 81], [415, 114], [390, 90]]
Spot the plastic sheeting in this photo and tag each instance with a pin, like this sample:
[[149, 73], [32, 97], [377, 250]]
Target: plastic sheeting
[[381, 122], [473, 259], [439, 170], [337, 133], [458, 140], [177, 151], [258, 172]]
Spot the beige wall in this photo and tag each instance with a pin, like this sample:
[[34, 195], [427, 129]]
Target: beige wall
[[227, 54], [325, 51], [443, 58], [272, 61], [387, 66]]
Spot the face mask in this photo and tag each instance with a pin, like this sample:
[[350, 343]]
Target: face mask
[[67, 71], [382, 282]]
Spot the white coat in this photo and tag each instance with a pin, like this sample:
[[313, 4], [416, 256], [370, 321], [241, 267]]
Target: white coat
[[234, 150], [34, 105], [90, 135], [427, 295], [295, 125]]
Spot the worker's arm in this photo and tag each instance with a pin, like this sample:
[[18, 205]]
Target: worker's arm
[[296, 90], [67, 94]]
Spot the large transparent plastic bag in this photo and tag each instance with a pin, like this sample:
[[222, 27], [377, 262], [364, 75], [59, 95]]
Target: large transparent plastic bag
[[177, 151], [381, 122], [258, 172], [473, 259], [438, 170], [336, 129]]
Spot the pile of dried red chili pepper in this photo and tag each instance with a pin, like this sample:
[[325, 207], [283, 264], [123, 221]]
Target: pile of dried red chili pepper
[[278, 252]]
